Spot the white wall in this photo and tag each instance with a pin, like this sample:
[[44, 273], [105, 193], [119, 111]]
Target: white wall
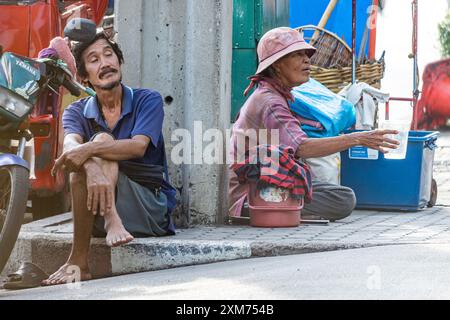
[[394, 34]]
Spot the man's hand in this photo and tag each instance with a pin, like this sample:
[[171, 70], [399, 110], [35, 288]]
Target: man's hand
[[100, 191], [376, 139], [73, 159]]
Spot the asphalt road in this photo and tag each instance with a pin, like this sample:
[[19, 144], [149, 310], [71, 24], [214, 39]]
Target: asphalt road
[[388, 272]]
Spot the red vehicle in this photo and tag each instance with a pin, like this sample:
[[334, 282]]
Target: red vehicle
[[434, 104], [27, 27]]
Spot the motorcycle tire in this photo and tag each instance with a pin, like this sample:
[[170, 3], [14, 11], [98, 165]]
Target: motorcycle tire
[[14, 184]]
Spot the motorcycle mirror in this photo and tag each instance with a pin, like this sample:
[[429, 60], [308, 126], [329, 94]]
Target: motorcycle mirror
[[80, 29]]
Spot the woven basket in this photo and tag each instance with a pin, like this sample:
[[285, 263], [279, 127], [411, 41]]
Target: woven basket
[[331, 64], [337, 78]]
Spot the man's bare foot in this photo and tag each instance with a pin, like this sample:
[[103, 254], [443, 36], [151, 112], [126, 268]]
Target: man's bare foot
[[68, 273], [117, 235]]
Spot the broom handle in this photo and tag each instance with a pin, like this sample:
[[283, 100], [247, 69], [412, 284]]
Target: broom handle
[[323, 21]]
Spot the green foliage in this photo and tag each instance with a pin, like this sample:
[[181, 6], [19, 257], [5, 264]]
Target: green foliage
[[444, 35]]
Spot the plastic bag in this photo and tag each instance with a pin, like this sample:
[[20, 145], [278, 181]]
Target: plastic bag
[[314, 101], [365, 98], [326, 169]]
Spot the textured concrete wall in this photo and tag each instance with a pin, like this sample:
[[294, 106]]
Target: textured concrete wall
[[182, 48]]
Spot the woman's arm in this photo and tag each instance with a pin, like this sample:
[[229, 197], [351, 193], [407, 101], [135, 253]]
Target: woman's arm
[[375, 139]]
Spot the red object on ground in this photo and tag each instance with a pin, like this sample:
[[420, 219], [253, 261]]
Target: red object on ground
[[433, 108], [273, 210]]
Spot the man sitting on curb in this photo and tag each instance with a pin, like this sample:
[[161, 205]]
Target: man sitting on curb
[[114, 151]]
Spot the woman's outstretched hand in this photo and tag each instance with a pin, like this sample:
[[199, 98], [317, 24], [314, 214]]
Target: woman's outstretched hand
[[376, 139]]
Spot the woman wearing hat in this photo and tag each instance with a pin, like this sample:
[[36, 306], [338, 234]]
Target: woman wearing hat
[[284, 63]]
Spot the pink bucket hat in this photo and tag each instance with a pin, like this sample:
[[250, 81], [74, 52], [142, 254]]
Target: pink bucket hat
[[277, 43]]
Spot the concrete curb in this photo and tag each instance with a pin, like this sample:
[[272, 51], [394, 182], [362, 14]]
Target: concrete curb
[[147, 255], [267, 249], [50, 251], [47, 243]]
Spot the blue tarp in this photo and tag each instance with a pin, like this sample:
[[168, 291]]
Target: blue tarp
[[303, 12]]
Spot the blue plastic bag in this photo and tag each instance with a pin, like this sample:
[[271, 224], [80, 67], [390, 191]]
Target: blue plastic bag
[[314, 101]]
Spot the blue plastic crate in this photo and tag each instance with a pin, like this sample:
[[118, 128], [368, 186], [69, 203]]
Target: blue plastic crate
[[387, 184]]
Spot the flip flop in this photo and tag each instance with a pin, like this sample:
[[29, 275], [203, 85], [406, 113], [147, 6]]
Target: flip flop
[[28, 276]]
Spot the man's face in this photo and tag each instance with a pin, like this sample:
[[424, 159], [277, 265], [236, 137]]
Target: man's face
[[102, 66]]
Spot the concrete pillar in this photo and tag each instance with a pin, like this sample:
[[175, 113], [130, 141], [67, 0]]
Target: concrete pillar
[[182, 48], [129, 21]]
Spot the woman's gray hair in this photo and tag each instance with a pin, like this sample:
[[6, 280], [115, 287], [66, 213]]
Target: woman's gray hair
[[269, 73]]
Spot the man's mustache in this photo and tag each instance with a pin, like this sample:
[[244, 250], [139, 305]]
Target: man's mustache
[[106, 71]]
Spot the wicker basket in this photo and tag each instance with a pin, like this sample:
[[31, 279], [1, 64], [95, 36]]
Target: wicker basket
[[337, 78], [331, 65]]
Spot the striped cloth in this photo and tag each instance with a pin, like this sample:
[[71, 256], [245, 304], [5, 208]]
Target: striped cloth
[[276, 166]]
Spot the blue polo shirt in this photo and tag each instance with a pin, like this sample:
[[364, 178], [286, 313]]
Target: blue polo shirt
[[142, 114]]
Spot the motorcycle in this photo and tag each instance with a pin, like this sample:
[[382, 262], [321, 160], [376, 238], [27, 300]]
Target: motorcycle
[[22, 81]]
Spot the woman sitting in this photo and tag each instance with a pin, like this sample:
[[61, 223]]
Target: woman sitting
[[284, 63]]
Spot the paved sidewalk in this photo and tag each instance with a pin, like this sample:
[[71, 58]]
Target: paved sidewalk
[[442, 153], [47, 242]]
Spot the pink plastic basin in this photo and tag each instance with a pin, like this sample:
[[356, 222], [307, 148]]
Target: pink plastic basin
[[273, 208]]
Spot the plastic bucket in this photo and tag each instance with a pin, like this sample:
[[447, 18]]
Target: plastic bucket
[[385, 184], [273, 207]]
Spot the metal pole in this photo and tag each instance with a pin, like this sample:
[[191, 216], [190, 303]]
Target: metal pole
[[353, 41], [415, 6], [373, 31], [21, 147]]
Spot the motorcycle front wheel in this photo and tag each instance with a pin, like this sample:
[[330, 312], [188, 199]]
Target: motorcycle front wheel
[[13, 202]]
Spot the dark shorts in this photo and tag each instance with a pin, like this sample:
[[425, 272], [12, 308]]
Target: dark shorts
[[142, 211]]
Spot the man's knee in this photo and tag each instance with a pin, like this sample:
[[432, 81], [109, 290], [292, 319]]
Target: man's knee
[[110, 166], [103, 137]]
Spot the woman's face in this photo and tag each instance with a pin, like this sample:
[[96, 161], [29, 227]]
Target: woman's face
[[293, 69]]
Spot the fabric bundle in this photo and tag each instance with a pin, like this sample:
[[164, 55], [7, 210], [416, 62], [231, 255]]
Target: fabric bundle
[[276, 166]]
